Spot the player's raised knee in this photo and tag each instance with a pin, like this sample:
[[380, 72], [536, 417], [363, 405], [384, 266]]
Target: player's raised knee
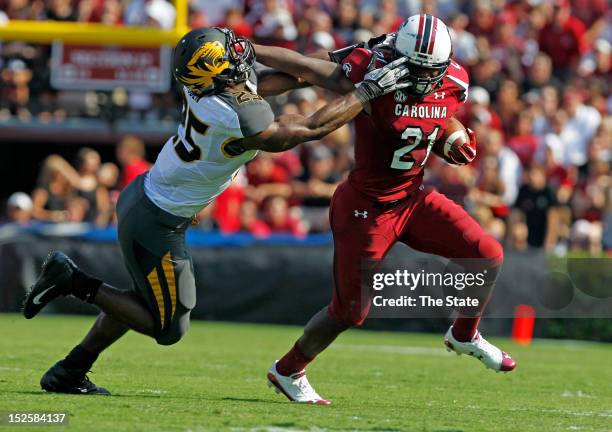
[[351, 317], [173, 333]]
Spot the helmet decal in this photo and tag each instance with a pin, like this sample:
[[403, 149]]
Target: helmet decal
[[419, 38], [426, 37], [432, 39], [212, 56]]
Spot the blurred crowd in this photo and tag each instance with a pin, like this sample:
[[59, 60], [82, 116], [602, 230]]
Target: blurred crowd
[[539, 102]]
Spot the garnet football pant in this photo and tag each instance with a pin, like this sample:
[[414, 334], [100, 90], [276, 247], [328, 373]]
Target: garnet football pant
[[426, 221]]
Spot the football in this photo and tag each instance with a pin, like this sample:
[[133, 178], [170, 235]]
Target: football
[[452, 141]]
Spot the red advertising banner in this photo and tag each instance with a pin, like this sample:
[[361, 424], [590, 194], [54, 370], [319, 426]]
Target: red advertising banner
[[89, 67]]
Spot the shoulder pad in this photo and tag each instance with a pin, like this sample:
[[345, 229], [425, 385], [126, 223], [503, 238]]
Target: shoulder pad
[[254, 113], [459, 80]]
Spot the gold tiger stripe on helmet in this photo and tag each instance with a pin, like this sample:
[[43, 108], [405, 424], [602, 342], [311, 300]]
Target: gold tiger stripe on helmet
[[211, 53]]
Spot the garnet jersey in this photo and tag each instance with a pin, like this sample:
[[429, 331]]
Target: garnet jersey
[[394, 139]]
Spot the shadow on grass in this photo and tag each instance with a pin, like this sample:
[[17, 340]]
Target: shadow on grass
[[252, 400], [154, 396]]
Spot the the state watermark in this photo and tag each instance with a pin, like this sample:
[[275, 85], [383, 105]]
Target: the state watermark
[[433, 287]]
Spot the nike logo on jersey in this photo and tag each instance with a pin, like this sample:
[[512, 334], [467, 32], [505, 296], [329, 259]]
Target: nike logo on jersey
[[420, 111], [37, 300]]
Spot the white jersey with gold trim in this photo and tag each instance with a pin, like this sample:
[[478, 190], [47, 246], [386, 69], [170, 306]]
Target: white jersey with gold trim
[[199, 163]]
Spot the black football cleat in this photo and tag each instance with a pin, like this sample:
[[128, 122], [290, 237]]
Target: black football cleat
[[55, 279], [58, 379]]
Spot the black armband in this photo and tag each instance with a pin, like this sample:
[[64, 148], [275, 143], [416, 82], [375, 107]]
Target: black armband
[[233, 148]]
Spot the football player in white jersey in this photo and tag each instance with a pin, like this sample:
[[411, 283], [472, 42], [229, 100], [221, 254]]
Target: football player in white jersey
[[225, 123]]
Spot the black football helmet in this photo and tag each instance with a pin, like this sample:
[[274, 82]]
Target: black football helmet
[[206, 60]]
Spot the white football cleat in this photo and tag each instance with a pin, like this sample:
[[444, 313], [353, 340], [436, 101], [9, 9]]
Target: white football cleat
[[479, 347], [296, 387]]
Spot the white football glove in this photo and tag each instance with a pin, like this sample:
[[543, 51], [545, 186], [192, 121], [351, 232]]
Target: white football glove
[[379, 82]]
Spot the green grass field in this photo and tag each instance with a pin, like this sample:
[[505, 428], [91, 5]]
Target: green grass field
[[214, 380]]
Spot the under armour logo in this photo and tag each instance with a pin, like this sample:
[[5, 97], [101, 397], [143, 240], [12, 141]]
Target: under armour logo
[[347, 67], [439, 95], [400, 96], [363, 214]]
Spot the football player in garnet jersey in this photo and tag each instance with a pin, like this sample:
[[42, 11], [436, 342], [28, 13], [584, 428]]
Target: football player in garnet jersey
[[226, 121], [383, 200]]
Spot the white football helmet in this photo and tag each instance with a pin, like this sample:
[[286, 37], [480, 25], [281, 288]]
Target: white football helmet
[[425, 40]]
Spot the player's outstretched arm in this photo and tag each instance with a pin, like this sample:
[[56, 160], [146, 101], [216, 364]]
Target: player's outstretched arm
[[313, 70], [272, 82], [290, 130]]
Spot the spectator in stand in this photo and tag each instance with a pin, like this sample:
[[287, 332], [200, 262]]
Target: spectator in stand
[[279, 220], [388, 19], [563, 39], [545, 110], [509, 166], [518, 233], [317, 187], [51, 196], [490, 189], [153, 13], [213, 11], [15, 93], [453, 182], [507, 48], [235, 21], [345, 21], [509, 105], [77, 210], [275, 26], [97, 198], [465, 50], [250, 222], [524, 142], [320, 37], [478, 109], [483, 20], [586, 237], [582, 123], [559, 140], [112, 12], [61, 10], [492, 225], [537, 202], [266, 177], [486, 74], [19, 208], [226, 211], [540, 75], [108, 177], [595, 66], [131, 157]]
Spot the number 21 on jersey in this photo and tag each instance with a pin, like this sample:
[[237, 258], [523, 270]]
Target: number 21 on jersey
[[416, 134]]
